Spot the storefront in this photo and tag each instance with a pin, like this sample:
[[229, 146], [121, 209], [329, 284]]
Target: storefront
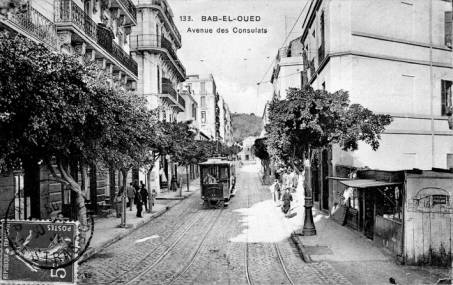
[[407, 212]]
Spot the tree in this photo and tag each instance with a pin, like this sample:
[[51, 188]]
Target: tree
[[309, 120], [55, 110], [260, 151]]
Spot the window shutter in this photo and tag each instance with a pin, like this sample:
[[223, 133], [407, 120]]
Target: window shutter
[[448, 28]]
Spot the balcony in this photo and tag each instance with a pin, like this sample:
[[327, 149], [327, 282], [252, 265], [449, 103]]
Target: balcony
[[129, 8], [181, 101], [167, 88], [165, 12], [160, 44], [32, 23], [69, 15]]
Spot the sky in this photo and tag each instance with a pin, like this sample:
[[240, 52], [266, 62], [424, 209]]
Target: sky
[[238, 61]]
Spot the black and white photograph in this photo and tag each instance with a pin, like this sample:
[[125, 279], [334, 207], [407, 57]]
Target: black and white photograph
[[176, 142]]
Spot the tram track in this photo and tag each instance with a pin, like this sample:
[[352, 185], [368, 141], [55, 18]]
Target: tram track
[[172, 233], [274, 245], [165, 253], [194, 255]]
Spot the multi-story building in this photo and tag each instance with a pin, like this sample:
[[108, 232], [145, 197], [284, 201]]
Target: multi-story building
[[394, 57], [95, 31], [204, 91], [222, 118], [154, 43], [191, 110], [228, 137], [398, 63], [287, 68]]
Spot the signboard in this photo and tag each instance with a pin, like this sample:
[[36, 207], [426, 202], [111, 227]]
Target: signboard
[[39, 252], [440, 200]]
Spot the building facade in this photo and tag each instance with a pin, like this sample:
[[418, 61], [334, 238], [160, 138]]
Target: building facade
[[287, 69], [94, 31], [154, 43], [204, 91], [398, 63]]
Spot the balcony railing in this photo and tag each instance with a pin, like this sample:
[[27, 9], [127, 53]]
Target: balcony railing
[[37, 25], [182, 101], [147, 41], [130, 7], [67, 11], [167, 88], [166, 12]]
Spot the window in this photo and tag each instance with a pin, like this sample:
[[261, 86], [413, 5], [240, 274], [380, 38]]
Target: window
[[448, 28], [194, 111], [203, 101], [202, 87], [390, 203], [446, 97], [449, 160], [203, 117]]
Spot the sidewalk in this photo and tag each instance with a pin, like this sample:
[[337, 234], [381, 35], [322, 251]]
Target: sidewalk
[[356, 257], [174, 195], [107, 230]]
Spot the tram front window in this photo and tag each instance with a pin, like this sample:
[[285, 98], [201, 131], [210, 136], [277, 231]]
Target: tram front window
[[209, 178]]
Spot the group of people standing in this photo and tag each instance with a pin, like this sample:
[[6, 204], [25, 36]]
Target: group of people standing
[[138, 195], [288, 181]]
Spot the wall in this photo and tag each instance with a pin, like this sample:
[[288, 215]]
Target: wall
[[428, 218]]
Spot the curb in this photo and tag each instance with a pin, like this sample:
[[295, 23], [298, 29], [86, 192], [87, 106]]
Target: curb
[[301, 249], [92, 251], [185, 195]]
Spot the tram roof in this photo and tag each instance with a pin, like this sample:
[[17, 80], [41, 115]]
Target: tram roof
[[216, 160]]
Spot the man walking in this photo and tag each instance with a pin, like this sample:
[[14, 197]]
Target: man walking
[[138, 202], [130, 195], [144, 194]]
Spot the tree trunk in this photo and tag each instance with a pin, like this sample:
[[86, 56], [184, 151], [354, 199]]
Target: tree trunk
[[187, 175], [124, 172], [93, 189], [32, 188], [112, 187], [150, 192]]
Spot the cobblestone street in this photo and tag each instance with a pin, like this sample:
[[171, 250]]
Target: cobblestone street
[[244, 243]]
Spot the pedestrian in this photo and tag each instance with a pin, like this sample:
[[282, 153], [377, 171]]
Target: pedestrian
[[119, 202], [287, 198], [144, 194], [130, 195], [138, 202], [276, 191]]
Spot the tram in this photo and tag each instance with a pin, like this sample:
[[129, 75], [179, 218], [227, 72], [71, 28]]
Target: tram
[[217, 180]]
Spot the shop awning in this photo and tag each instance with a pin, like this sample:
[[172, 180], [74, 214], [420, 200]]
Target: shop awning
[[367, 183]]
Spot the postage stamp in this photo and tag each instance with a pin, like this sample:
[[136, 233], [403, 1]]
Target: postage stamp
[[39, 251]]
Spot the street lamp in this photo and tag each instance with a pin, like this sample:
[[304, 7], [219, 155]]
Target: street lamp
[[309, 226]]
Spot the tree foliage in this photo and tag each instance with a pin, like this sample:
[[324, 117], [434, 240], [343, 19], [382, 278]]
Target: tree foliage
[[54, 109], [315, 119]]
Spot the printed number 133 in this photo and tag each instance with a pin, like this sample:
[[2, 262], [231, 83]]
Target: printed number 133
[[186, 18]]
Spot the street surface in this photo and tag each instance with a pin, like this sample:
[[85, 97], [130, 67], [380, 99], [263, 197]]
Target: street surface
[[244, 243]]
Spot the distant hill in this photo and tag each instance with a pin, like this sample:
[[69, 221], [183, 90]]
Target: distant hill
[[246, 125]]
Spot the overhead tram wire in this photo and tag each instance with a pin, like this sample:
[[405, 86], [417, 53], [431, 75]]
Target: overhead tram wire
[[286, 38]]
